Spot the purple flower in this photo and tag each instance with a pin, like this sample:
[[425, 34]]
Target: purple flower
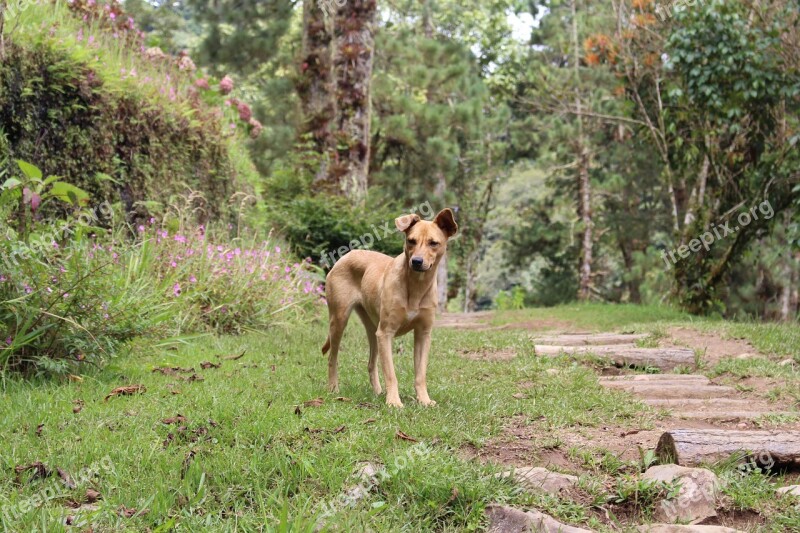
[[55, 245], [177, 289], [192, 279], [141, 229], [3, 278], [9, 340]]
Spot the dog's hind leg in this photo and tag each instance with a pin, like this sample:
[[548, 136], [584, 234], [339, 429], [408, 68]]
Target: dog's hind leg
[[338, 321], [372, 366]]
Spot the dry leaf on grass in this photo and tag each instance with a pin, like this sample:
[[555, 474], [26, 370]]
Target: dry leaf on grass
[[342, 399], [234, 357], [39, 429], [39, 470], [520, 396], [369, 421], [173, 370], [77, 407], [65, 478], [126, 512], [339, 429], [402, 436], [92, 496], [205, 365], [126, 391], [187, 461], [316, 402], [179, 419]]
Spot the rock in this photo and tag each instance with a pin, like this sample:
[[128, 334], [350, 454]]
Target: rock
[[504, 519], [538, 478], [787, 362], [672, 528], [696, 499], [791, 490]]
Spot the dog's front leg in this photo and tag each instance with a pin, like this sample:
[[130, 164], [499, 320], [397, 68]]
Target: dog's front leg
[[422, 346], [384, 337]]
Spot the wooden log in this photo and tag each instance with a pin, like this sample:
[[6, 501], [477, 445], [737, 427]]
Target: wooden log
[[696, 446], [585, 339], [663, 358]]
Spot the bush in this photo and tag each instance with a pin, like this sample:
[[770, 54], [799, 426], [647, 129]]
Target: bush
[[73, 293], [89, 106]]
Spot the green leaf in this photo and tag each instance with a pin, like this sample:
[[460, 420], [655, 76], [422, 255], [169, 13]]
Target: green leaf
[[30, 171], [69, 193], [100, 176], [10, 183]]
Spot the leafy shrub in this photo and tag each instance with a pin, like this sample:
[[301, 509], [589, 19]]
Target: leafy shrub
[[226, 287], [121, 122], [510, 300], [72, 293]]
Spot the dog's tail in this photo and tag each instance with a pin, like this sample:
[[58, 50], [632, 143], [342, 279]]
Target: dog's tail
[[327, 345]]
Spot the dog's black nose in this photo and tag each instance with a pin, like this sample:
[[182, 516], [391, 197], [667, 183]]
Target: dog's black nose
[[416, 261]]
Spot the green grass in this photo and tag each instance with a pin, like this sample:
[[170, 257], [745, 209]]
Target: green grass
[[250, 456]]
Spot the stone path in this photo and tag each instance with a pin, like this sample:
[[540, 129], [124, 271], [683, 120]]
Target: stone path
[[689, 400]]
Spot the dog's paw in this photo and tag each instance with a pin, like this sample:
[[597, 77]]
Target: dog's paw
[[333, 387], [427, 403], [395, 403]]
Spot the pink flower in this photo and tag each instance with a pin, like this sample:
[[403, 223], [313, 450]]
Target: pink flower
[[177, 289], [192, 279], [226, 85], [202, 83], [112, 15], [256, 128], [245, 113], [141, 229]]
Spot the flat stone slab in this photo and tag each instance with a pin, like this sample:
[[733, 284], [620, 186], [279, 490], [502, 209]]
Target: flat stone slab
[[504, 519], [674, 528], [667, 359], [791, 490], [584, 339], [690, 396], [696, 499], [541, 479]]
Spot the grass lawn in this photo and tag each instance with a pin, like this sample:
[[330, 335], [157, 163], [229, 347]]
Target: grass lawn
[[250, 455]]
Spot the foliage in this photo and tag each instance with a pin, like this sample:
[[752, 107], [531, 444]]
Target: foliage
[[116, 121]]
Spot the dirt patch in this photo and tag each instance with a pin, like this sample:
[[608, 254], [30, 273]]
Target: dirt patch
[[506, 354], [712, 347], [744, 520]]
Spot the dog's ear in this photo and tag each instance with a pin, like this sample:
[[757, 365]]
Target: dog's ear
[[404, 222], [446, 222]]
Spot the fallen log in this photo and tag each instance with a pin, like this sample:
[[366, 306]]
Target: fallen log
[[663, 358], [586, 339], [695, 446]]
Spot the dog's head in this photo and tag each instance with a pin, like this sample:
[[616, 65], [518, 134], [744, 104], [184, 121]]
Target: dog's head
[[426, 242]]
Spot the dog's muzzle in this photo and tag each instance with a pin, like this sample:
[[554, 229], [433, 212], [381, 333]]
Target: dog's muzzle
[[418, 264]]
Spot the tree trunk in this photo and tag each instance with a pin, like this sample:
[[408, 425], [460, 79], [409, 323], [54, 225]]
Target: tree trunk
[[315, 86], [441, 284], [695, 446], [584, 185], [353, 45]]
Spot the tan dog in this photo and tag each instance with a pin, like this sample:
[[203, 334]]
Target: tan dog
[[392, 296]]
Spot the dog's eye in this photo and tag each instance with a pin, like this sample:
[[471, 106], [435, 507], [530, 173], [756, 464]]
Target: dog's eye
[[434, 244], [412, 242]]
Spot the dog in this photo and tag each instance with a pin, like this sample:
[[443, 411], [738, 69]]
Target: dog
[[391, 296]]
